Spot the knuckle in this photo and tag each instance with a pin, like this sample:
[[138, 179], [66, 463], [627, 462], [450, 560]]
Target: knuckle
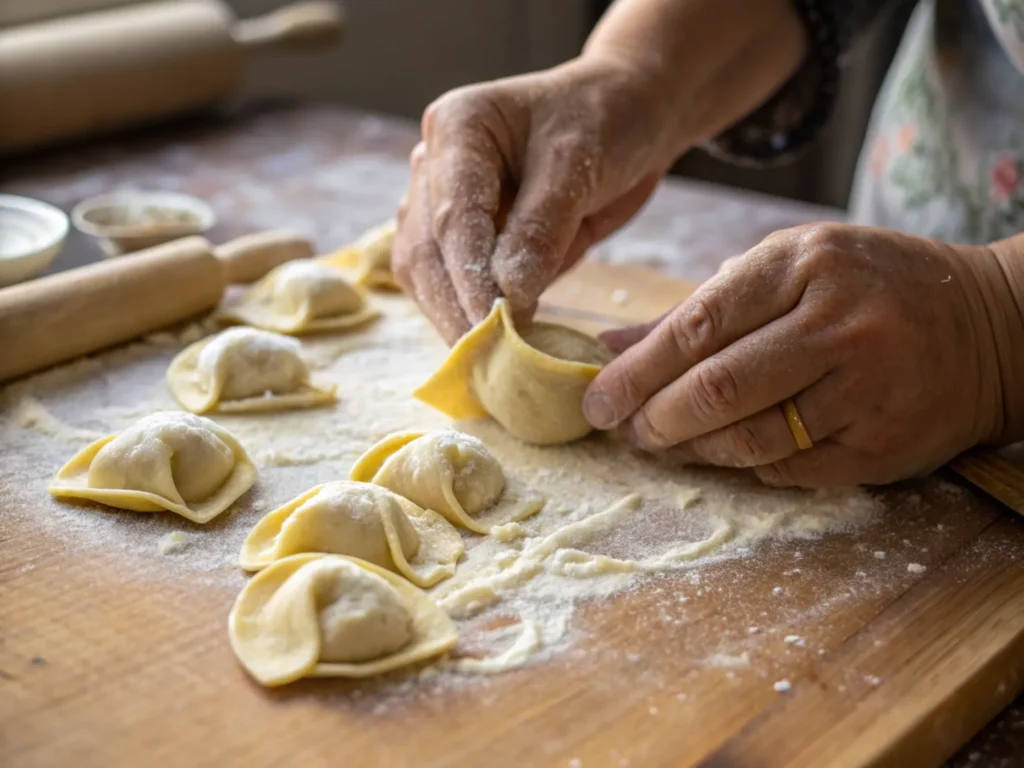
[[695, 324], [716, 389], [417, 156], [745, 446]]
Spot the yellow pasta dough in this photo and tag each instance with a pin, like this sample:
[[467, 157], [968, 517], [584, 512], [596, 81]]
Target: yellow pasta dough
[[316, 615], [167, 461], [359, 520], [532, 383], [301, 296], [449, 472], [244, 369], [370, 257]]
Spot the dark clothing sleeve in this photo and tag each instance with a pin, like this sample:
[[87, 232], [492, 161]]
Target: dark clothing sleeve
[[793, 117]]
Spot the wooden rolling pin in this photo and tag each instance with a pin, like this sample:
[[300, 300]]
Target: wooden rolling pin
[[72, 313], [114, 68]]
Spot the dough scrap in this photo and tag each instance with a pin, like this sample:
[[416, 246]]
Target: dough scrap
[[244, 369], [370, 257], [317, 615], [358, 520], [170, 461], [532, 383], [451, 473], [301, 296]]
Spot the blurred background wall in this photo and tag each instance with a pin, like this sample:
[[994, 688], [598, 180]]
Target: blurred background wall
[[399, 55]]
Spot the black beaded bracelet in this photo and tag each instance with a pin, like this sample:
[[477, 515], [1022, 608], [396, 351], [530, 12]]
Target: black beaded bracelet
[[794, 117]]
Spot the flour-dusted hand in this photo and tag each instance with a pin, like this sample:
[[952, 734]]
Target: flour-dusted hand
[[515, 179], [897, 352]]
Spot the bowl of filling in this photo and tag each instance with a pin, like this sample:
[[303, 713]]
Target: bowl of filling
[[31, 235], [130, 220]]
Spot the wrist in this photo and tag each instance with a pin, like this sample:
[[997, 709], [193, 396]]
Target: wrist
[[997, 284]]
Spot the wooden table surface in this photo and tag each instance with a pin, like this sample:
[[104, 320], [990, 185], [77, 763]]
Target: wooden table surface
[[233, 161]]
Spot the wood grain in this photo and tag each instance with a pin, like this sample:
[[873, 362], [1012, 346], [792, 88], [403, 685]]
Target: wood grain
[[896, 669]]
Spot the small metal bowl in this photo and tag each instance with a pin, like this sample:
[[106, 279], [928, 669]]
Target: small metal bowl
[[131, 220], [31, 235]]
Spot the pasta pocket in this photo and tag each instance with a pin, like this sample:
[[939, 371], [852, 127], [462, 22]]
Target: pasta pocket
[[167, 461], [244, 369], [532, 383], [359, 520], [449, 472], [301, 296], [370, 257], [318, 615]]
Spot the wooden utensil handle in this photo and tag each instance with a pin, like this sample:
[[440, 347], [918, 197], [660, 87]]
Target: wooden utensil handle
[[312, 24], [250, 257]]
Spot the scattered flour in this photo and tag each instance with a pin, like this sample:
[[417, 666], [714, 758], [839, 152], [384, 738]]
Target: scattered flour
[[172, 543]]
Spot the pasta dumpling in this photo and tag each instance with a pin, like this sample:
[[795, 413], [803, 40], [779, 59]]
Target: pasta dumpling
[[317, 615], [370, 257], [301, 296], [244, 369], [167, 461], [532, 383], [359, 520], [449, 472]]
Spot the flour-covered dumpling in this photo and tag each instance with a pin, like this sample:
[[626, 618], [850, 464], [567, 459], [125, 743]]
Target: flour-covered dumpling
[[321, 615], [449, 472], [370, 257], [167, 461], [532, 383], [359, 520], [301, 296], [244, 369]]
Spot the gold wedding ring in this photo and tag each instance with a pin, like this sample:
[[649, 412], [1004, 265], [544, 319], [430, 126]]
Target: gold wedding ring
[[796, 425]]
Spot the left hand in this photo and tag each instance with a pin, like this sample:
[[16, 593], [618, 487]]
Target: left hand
[[883, 341]]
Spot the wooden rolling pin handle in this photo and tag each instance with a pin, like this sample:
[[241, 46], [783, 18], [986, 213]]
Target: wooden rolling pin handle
[[250, 257], [300, 26]]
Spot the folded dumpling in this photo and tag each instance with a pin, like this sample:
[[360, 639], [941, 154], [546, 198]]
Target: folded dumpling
[[244, 369], [360, 520], [370, 257], [449, 472], [532, 383], [175, 461], [301, 296], [317, 615]]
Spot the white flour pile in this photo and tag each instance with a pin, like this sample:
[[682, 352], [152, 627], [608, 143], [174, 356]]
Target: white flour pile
[[613, 520]]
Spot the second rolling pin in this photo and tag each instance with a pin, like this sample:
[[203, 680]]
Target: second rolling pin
[[53, 319]]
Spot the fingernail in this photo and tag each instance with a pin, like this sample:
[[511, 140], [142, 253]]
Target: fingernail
[[598, 410]]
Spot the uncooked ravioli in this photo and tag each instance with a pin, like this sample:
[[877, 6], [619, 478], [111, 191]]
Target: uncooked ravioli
[[301, 296], [449, 472], [532, 383], [370, 257], [317, 615], [359, 520], [244, 369], [167, 461]]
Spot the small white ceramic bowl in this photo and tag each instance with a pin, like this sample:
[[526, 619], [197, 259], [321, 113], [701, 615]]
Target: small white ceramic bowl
[[31, 235], [131, 220]]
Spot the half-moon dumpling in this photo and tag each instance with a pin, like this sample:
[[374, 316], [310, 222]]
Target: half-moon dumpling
[[370, 256], [244, 369], [318, 615], [532, 383], [174, 461], [359, 520], [301, 296], [449, 472]]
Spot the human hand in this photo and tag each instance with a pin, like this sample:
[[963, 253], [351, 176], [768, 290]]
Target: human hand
[[884, 342], [515, 179]]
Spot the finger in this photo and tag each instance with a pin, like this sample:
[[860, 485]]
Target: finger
[[765, 437], [828, 464], [618, 340], [466, 173], [756, 372], [722, 310], [547, 214]]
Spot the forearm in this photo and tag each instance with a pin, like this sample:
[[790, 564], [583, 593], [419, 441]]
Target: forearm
[[1006, 286], [711, 61]]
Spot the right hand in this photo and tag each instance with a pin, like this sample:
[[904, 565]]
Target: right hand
[[516, 178]]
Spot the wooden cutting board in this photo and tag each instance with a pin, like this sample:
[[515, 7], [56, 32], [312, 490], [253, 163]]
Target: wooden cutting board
[[893, 667]]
